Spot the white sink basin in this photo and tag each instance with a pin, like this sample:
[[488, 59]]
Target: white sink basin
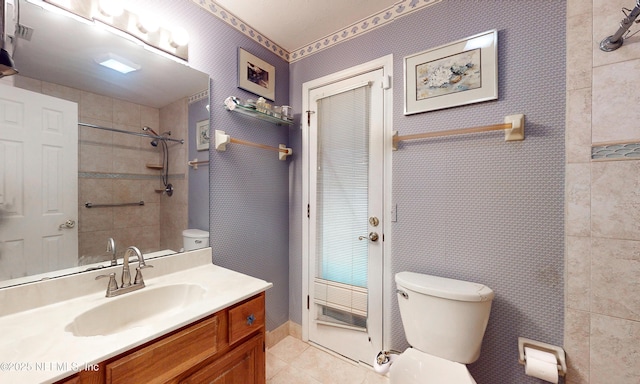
[[135, 309]]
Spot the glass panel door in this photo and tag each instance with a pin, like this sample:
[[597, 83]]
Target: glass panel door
[[346, 191], [342, 207]]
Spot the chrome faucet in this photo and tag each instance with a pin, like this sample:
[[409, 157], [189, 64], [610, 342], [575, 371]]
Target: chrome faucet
[[111, 247], [138, 282]]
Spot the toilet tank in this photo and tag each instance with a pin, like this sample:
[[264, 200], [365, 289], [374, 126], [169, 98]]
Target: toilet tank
[[195, 239], [444, 317]]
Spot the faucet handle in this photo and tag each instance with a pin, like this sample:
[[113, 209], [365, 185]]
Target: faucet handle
[[139, 279], [112, 286]]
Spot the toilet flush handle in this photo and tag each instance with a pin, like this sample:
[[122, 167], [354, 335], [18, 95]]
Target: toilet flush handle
[[402, 293]]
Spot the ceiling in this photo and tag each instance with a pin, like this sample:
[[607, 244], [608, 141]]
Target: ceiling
[[294, 23], [159, 82], [289, 23]]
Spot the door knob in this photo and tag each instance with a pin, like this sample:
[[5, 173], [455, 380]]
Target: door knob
[[67, 224], [373, 236]]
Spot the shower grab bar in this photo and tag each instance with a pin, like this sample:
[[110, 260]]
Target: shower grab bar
[[181, 141], [513, 131], [91, 205]]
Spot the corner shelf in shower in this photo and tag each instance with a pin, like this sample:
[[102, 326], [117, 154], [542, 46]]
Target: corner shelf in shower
[[251, 112], [158, 167]]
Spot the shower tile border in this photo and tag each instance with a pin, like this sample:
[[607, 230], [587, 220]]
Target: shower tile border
[[96, 175], [618, 151]]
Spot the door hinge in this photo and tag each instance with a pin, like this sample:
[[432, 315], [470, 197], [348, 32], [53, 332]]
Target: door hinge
[[308, 304], [308, 211], [309, 117]]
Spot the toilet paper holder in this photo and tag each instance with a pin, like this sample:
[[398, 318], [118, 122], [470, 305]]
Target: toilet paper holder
[[558, 352]]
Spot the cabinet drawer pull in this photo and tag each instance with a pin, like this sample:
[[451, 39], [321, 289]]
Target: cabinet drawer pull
[[246, 318]]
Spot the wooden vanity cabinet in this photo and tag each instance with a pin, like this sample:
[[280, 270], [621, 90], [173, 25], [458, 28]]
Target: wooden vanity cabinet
[[226, 347], [240, 365]]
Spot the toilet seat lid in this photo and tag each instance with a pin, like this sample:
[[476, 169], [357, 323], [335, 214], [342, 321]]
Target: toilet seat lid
[[196, 233], [413, 367]]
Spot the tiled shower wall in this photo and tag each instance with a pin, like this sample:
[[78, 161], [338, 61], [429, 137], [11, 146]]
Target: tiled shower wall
[[175, 209], [112, 169], [602, 307]]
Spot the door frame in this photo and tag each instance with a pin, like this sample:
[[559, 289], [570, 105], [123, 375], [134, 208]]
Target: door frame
[[386, 64]]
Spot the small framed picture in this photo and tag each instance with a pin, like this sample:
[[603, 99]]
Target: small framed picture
[[202, 135], [458, 73], [256, 75]]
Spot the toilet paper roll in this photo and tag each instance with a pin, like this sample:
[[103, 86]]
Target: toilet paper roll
[[382, 369], [540, 364]]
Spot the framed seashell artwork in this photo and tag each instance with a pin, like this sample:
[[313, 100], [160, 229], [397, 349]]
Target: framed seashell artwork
[[458, 73]]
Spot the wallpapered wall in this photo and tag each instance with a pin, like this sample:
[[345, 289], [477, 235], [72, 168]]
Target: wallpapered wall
[[248, 187], [198, 178], [469, 207], [472, 207]]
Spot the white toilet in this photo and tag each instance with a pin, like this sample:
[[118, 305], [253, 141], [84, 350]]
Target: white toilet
[[444, 322], [195, 239]]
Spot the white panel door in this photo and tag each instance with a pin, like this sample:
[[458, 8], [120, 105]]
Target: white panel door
[[38, 183]]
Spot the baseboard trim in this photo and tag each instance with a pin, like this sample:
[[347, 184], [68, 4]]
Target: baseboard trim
[[287, 329]]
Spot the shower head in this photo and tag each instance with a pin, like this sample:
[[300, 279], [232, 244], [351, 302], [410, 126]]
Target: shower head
[[154, 142], [150, 130]]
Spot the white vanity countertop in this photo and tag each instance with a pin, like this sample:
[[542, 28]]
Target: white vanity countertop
[[36, 348]]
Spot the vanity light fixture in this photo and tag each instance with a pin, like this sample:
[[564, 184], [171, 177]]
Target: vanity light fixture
[[144, 27], [117, 63], [7, 67], [111, 8], [65, 4], [147, 24], [179, 37]]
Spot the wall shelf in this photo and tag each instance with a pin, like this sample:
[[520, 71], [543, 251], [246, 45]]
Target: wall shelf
[[258, 115]]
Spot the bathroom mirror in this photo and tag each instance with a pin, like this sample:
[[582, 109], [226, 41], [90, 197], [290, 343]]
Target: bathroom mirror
[[57, 56]]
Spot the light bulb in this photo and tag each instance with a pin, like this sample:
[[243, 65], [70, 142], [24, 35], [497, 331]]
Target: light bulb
[[179, 37], [147, 24]]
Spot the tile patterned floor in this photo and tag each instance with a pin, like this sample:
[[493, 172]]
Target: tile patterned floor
[[292, 361]]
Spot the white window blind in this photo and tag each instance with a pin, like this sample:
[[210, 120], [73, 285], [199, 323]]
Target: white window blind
[[342, 200]]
